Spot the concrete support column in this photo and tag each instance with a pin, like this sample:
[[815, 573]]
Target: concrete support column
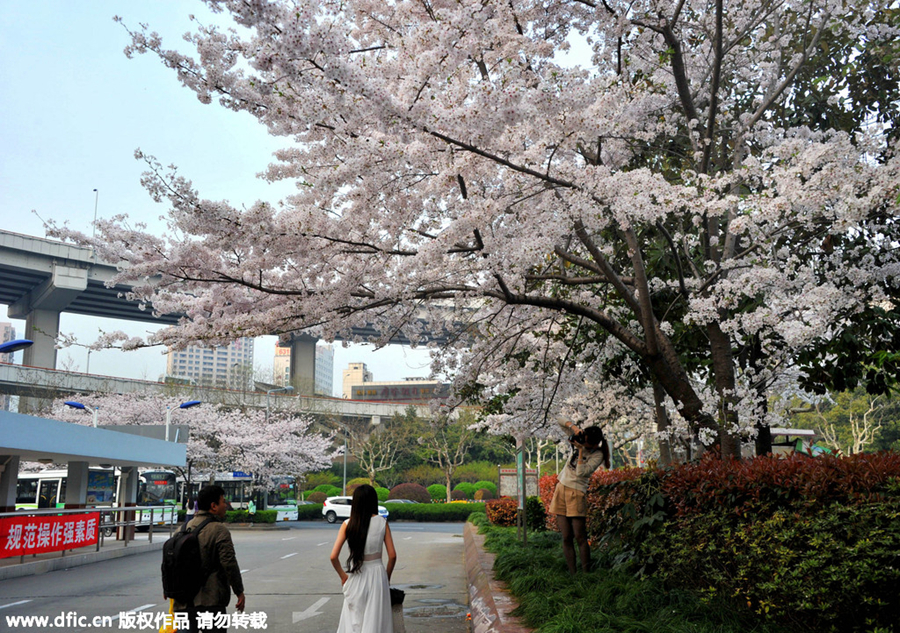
[[303, 364], [9, 475], [76, 485], [127, 496], [42, 327]]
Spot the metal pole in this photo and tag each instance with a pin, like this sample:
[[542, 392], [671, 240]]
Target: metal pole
[[344, 490], [168, 421]]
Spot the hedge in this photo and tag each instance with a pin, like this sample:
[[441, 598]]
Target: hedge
[[809, 543], [437, 512], [242, 516]]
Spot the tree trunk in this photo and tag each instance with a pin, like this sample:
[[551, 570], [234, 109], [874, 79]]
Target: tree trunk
[[723, 368], [662, 424]]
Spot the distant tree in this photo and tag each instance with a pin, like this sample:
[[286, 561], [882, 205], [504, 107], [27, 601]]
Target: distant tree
[[850, 421], [445, 442]]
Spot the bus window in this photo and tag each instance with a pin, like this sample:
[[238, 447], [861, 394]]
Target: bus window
[[26, 492], [157, 488]]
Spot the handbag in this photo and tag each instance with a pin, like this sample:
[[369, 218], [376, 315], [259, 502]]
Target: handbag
[[397, 596]]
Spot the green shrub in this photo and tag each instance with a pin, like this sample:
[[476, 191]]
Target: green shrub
[[535, 515], [468, 489], [316, 497], [309, 512], [330, 491], [436, 512], [438, 492], [486, 485], [476, 471], [242, 516], [423, 474], [478, 518], [502, 512], [383, 494], [312, 480]]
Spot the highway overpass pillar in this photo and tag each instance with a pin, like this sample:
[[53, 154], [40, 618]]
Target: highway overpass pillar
[[9, 475], [303, 364]]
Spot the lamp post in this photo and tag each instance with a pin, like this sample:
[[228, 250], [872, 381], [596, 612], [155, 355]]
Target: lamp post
[[78, 405], [270, 392], [183, 405]]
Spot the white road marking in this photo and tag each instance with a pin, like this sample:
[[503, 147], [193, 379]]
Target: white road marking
[[321, 544], [310, 612], [407, 538], [290, 538], [12, 604], [289, 555]]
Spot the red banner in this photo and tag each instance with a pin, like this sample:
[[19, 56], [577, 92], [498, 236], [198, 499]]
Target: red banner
[[39, 534]]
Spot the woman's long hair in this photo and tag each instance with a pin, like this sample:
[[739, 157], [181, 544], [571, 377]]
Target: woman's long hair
[[365, 504]]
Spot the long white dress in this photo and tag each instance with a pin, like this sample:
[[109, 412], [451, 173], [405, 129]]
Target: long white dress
[[367, 598]]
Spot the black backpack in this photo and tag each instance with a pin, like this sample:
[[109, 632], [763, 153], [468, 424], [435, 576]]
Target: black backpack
[[182, 570]]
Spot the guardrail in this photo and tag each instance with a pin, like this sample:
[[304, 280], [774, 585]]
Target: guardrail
[[50, 530]]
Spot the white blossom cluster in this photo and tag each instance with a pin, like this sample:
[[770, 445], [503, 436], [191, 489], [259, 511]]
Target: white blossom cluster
[[452, 175]]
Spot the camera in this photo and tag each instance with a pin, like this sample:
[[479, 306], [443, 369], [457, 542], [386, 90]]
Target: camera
[[578, 438]]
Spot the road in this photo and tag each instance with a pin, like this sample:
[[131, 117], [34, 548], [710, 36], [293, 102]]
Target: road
[[287, 577]]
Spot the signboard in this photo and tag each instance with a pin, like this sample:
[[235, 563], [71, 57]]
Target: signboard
[[40, 534], [101, 487], [509, 482]]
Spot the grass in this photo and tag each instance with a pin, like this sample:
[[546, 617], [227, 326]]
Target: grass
[[605, 600]]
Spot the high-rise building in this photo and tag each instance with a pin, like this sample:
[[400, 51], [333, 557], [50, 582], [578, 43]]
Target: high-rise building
[[226, 367], [355, 374], [324, 368], [7, 333]]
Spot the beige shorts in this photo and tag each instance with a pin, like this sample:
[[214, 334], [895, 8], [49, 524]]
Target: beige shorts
[[568, 502]]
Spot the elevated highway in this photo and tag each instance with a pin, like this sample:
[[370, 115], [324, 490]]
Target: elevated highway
[[41, 278], [38, 382]]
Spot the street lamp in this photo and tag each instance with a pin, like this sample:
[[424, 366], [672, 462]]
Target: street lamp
[[271, 391], [183, 405], [78, 405], [14, 346]]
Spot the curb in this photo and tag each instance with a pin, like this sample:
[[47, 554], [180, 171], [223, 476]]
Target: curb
[[75, 560], [489, 602]]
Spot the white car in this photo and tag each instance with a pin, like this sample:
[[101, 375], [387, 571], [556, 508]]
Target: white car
[[336, 508]]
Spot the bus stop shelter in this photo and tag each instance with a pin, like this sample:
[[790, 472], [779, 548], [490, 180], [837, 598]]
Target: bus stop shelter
[[31, 438]]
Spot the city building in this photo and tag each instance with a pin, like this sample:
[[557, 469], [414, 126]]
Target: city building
[[227, 367], [355, 374], [7, 333], [359, 385], [324, 368]]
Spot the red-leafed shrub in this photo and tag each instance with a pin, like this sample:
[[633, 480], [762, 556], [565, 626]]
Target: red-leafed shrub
[[801, 541], [502, 512], [457, 495], [483, 494], [316, 497], [413, 492]]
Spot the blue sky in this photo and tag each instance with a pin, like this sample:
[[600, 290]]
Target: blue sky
[[73, 110]]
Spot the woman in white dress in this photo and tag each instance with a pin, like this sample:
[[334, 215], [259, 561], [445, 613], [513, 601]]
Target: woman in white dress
[[367, 597]]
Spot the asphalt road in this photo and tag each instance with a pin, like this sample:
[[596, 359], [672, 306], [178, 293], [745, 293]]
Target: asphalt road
[[287, 577]]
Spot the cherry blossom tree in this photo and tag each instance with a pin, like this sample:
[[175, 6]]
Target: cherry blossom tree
[[221, 439], [682, 208]]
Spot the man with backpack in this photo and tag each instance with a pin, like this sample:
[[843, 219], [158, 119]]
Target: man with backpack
[[219, 572]]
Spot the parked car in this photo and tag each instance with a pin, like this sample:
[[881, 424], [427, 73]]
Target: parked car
[[336, 508], [400, 501]]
